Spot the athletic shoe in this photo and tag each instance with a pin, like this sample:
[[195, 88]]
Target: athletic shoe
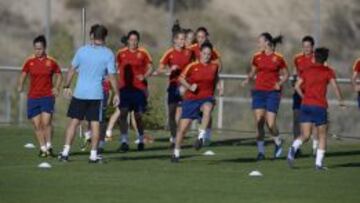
[[124, 147], [63, 158], [198, 144], [291, 157], [174, 159], [42, 154], [260, 157], [320, 168], [140, 146], [98, 160], [50, 152], [278, 150]]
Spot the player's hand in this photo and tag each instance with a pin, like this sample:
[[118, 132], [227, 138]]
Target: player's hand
[[155, 73], [67, 93], [193, 87], [19, 89], [174, 68], [245, 82], [357, 88], [342, 105], [277, 86], [55, 91], [116, 100], [140, 77], [220, 90], [182, 90]]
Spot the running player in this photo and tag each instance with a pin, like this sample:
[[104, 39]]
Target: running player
[[135, 66], [92, 63], [355, 76], [175, 60], [199, 78], [302, 62], [271, 73], [41, 96], [312, 87], [202, 35]]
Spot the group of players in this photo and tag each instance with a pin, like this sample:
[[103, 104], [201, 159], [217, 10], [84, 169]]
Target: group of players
[[193, 66]]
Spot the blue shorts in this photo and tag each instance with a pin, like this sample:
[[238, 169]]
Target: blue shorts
[[133, 100], [174, 96], [268, 100], [88, 109], [296, 101], [39, 105], [313, 114], [191, 108]]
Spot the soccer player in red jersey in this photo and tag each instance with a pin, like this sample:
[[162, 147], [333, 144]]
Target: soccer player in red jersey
[[302, 62], [312, 87], [135, 66], [271, 73], [202, 35], [199, 78], [41, 96], [189, 38], [355, 76], [175, 60]]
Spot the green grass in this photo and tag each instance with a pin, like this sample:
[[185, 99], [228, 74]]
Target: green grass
[[150, 177]]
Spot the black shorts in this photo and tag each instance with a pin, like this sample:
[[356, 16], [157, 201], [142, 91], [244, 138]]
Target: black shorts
[[90, 110]]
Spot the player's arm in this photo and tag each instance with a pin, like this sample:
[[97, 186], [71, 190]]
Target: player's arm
[[284, 76], [69, 77], [338, 92], [58, 81], [250, 76], [298, 84], [354, 77], [113, 82], [150, 70], [21, 81], [294, 73], [183, 82]]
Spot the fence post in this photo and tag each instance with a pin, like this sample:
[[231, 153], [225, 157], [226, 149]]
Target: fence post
[[7, 106], [21, 108], [221, 106]]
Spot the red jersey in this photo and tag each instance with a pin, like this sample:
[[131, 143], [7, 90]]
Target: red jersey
[[356, 67], [267, 70], [40, 71], [303, 62], [132, 64], [174, 57], [196, 49], [316, 80], [204, 76]]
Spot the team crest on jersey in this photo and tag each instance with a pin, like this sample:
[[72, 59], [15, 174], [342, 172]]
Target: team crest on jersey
[[274, 59], [48, 63], [139, 55], [31, 63], [123, 55]]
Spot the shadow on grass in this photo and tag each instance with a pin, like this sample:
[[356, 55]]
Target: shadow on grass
[[347, 165], [149, 157], [342, 153]]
